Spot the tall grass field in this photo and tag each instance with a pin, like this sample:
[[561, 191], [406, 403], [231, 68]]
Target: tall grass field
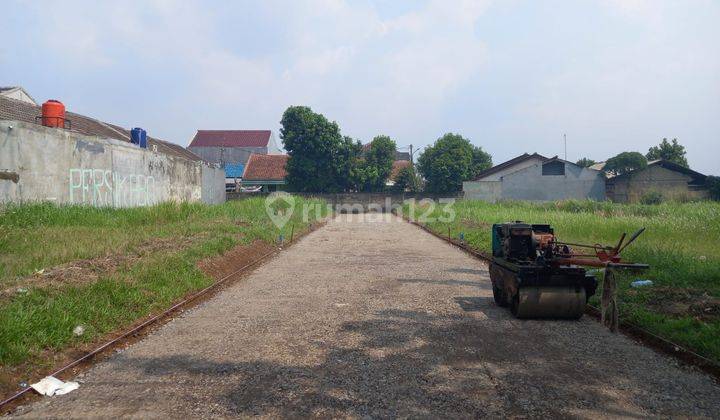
[[155, 249], [681, 244]]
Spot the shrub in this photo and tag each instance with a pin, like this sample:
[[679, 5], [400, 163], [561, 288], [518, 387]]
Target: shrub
[[652, 197]]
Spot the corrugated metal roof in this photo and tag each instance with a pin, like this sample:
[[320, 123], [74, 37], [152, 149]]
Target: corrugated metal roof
[[234, 170], [509, 163], [231, 138]]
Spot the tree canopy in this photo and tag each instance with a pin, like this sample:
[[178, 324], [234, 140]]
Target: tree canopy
[[375, 166], [673, 152], [320, 158], [625, 162], [585, 162], [451, 160], [406, 180]]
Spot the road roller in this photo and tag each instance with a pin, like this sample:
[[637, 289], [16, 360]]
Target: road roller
[[539, 276]]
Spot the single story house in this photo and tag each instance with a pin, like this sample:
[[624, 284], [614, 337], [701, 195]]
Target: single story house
[[671, 180], [534, 177], [267, 171]]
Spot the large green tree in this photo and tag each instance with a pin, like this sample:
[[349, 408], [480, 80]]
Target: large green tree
[[451, 160], [625, 162], [377, 162], [320, 157], [670, 151]]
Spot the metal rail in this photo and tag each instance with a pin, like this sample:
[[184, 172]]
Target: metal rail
[[145, 324]]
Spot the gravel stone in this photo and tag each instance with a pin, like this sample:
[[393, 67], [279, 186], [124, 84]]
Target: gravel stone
[[371, 317]]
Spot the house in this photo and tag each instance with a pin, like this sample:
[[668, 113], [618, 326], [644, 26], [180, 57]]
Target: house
[[17, 92], [534, 177], [671, 180], [232, 146], [266, 171]]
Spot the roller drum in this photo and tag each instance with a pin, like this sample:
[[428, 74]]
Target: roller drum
[[549, 302]]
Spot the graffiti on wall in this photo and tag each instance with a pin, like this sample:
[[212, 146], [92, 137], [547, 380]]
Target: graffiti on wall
[[104, 187]]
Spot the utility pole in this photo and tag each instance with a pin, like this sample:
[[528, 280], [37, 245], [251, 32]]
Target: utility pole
[[411, 156], [565, 141]]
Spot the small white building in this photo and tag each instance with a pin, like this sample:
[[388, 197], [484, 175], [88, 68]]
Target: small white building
[[536, 178]]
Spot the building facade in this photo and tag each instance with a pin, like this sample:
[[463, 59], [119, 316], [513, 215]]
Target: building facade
[[233, 146], [536, 178], [669, 180]]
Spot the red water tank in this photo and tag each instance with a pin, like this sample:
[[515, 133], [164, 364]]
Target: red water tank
[[53, 114]]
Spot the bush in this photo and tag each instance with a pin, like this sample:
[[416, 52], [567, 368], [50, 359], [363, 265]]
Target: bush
[[652, 197], [713, 186]]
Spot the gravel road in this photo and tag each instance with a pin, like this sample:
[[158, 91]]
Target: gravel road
[[370, 316]]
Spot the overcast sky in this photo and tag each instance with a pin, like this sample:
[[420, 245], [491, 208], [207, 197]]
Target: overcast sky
[[512, 76]]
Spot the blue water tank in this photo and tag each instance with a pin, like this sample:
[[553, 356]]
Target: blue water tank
[[139, 136]]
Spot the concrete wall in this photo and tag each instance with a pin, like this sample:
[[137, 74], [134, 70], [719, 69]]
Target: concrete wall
[[48, 164], [360, 201], [490, 191], [530, 184], [227, 154], [672, 185]]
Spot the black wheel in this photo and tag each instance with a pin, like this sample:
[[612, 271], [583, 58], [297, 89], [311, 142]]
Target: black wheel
[[515, 302], [499, 296]]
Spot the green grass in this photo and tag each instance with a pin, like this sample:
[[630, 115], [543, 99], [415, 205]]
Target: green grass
[[38, 236], [681, 244]]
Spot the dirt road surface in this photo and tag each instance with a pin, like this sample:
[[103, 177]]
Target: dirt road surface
[[369, 318]]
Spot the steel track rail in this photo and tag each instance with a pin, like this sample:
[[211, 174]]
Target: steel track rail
[[158, 317]]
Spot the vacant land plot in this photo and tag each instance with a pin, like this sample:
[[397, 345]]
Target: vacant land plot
[[681, 245], [366, 318], [101, 269]]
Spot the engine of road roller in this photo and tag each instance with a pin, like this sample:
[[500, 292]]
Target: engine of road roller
[[534, 274]]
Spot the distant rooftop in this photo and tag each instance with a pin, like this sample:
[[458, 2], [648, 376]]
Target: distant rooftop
[[514, 161], [231, 138], [265, 168]]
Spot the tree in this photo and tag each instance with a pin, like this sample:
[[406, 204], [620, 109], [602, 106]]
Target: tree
[[406, 179], [450, 161], [672, 152], [320, 158], [585, 162], [379, 160], [713, 185], [625, 162]]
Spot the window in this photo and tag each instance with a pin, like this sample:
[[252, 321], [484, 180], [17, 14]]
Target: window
[[555, 167]]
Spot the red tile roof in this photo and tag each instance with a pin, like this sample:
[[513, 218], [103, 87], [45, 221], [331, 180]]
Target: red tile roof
[[13, 109], [231, 138], [397, 166], [265, 168]]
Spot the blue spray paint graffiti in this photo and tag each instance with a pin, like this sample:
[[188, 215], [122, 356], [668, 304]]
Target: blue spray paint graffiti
[[103, 187]]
